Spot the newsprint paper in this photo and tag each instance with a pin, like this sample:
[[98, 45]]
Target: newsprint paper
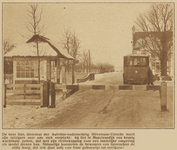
[[85, 75]]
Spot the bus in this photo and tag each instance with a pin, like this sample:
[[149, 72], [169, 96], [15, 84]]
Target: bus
[[136, 69]]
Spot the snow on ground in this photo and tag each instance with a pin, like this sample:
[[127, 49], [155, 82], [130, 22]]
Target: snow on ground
[[96, 108]]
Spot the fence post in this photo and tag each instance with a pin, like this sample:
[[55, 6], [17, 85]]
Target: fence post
[[42, 98], [64, 93], [4, 96], [52, 88], [46, 94], [92, 76], [163, 96]]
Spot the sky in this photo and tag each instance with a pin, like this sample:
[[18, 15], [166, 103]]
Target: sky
[[103, 28]]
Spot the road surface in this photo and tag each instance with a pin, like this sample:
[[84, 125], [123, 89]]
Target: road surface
[[110, 108]]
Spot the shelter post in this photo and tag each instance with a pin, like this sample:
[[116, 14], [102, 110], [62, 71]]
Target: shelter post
[[52, 95], [73, 69], [46, 94], [4, 96], [49, 70], [58, 70], [14, 72], [64, 81]]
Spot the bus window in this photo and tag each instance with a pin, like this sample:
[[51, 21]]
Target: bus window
[[140, 62], [136, 61], [143, 61], [129, 61]]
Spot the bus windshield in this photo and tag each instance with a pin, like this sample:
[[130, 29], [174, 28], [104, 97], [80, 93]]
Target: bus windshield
[[136, 61]]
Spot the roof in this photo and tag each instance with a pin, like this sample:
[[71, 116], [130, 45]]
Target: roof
[[138, 55], [30, 50], [46, 48]]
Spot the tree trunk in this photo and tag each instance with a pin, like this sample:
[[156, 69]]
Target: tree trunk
[[164, 66], [164, 56], [37, 44], [39, 71], [68, 68]]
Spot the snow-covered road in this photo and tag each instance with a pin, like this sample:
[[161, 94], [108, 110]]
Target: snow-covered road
[[97, 109]]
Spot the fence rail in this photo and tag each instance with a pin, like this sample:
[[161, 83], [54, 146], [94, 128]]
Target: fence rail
[[29, 94], [23, 91]]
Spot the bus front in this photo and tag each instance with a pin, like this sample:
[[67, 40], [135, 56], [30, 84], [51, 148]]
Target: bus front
[[136, 69]]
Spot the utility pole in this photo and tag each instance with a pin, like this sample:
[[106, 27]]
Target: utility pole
[[89, 62]]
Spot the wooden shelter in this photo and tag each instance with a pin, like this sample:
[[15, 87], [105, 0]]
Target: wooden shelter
[[25, 60]]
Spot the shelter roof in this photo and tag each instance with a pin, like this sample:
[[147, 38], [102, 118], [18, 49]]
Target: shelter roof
[[46, 46]]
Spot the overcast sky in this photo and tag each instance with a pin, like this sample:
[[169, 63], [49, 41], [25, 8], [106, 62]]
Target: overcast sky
[[103, 28]]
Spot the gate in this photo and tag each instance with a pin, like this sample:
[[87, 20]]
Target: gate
[[23, 94]]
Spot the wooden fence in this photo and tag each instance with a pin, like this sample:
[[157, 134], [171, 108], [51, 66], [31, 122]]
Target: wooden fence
[[23, 94]]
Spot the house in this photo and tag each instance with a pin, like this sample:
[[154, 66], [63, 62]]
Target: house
[[154, 61], [137, 41], [25, 61]]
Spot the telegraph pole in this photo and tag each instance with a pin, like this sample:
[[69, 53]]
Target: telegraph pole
[[89, 62]]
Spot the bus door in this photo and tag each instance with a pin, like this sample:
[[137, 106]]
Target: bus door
[[136, 70], [129, 68], [140, 68]]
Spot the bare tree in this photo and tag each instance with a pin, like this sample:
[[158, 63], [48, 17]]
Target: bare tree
[[71, 43], [35, 28], [34, 25], [67, 45], [67, 40], [84, 61], [157, 25], [8, 45], [75, 45]]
